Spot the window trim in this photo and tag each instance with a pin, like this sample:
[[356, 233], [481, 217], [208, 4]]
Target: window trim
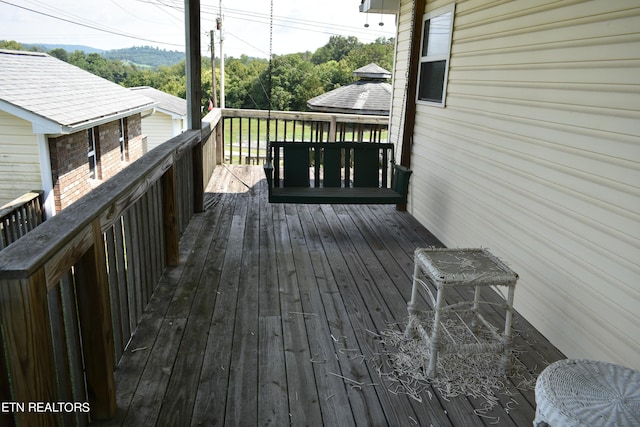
[[93, 153], [124, 140], [438, 57]]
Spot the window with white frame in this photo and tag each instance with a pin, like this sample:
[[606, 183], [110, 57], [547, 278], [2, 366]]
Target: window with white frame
[[124, 154], [92, 153], [434, 55]]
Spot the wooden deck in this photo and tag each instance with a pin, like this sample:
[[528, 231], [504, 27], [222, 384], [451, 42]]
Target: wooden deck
[[270, 319]]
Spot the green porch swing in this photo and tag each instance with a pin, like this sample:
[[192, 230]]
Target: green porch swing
[[332, 172]]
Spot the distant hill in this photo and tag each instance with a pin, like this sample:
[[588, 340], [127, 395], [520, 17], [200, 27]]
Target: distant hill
[[68, 47], [146, 56], [140, 56]]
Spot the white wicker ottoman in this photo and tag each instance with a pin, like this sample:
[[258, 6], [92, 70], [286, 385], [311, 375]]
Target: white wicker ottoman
[[454, 267], [585, 393]]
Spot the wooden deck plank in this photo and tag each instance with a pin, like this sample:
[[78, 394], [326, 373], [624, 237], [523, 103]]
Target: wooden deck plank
[[304, 406], [334, 407], [271, 314], [243, 373], [273, 406], [221, 274], [367, 312], [185, 377]]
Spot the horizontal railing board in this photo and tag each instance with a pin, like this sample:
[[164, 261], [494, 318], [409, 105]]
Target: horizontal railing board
[[106, 202], [306, 116]]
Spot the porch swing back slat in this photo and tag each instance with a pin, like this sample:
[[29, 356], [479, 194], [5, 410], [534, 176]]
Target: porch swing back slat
[[335, 172]]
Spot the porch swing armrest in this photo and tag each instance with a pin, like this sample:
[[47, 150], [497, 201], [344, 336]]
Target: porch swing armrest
[[268, 171], [400, 180]]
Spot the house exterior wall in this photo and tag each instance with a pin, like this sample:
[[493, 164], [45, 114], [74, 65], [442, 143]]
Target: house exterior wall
[[19, 161], [70, 166], [137, 142], [160, 127], [536, 156]]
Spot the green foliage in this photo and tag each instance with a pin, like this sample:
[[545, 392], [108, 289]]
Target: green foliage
[[337, 49], [295, 78], [142, 56], [11, 45]]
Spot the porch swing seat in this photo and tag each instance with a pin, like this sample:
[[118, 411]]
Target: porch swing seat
[[335, 173]]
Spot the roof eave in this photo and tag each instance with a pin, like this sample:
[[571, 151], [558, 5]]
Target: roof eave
[[322, 109], [173, 114], [39, 123], [45, 126], [88, 124]]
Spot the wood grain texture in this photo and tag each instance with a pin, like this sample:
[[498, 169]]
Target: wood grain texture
[[96, 328], [281, 303]]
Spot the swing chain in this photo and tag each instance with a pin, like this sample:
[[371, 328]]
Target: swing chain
[[270, 85]]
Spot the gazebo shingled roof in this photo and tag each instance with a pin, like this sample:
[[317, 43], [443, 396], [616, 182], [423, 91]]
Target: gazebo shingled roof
[[369, 95]]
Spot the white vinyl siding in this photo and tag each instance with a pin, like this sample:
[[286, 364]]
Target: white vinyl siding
[[537, 157], [399, 90], [19, 161], [160, 127]]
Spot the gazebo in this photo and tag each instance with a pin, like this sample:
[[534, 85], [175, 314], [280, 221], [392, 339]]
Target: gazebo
[[371, 94]]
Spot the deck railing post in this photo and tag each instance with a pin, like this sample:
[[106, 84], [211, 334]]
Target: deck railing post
[[24, 325], [92, 288], [198, 173], [219, 143], [170, 216], [332, 129], [6, 419]]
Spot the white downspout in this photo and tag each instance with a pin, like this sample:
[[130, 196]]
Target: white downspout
[[45, 176]]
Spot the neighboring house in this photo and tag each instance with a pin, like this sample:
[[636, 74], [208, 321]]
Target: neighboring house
[[526, 140], [371, 94], [167, 120], [62, 130]]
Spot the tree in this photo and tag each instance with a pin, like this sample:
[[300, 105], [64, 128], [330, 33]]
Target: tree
[[240, 77], [60, 53], [11, 45], [380, 52], [336, 49], [333, 74], [293, 83]]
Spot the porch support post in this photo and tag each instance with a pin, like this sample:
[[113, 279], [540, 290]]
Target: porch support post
[[412, 84], [193, 65]]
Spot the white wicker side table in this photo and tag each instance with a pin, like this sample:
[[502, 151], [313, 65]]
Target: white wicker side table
[[446, 268], [586, 393]]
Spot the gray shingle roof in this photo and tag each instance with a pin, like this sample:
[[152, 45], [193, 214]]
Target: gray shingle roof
[[167, 103], [373, 71], [361, 97], [370, 95], [41, 86]]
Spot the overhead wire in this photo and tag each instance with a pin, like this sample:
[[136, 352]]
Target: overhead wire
[[235, 14], [92, 26]]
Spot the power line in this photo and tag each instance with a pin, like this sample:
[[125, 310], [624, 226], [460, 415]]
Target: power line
[[264, 18], [91, 26]]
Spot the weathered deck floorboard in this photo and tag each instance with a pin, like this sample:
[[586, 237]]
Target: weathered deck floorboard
[[271, 315]]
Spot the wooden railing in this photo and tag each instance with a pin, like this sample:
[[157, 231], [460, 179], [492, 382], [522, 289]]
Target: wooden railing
[[73, 290], [245, 131], [20, 216]]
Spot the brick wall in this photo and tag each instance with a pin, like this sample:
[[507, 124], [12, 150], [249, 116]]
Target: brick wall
[[134, 130], [70, 165]]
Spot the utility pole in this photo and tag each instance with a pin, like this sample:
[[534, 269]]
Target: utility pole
[[219, 27], [214, 97]]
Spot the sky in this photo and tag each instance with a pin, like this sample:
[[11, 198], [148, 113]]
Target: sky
[[299, 25]]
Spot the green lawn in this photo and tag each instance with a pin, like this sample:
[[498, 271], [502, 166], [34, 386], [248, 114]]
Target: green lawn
[[249, 136]]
